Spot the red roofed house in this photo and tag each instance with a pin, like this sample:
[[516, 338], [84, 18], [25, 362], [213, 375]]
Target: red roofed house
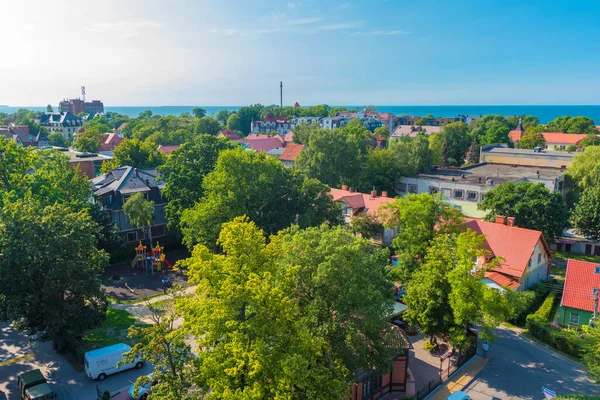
[[110, 141], [355, 203], [582, 284], [554, 140], [288, 138], [167, 150], [290, 153], [229, 134], [271, 123], [262, 143], [524, 254]]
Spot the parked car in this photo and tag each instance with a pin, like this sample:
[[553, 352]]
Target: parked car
[[460, 395], [143, 390], [33, 386], [103, 362]]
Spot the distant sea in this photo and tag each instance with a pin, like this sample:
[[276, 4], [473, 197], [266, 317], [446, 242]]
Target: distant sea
[[544, 113]]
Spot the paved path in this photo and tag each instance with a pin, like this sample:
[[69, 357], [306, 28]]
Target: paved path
[[518, 369], [462, 377]]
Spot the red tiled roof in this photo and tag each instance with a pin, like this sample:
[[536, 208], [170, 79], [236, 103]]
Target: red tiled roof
[[291, 152], [263, 144], [502, 280], [256, 136], [566, 138], [231, 135], [515, 135], [166, 150], [360, 202], [580, 281], [412, 130], [515, 245], [111, 140], [288, 137]]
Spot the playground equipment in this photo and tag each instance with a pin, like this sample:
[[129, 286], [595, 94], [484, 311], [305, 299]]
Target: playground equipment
[[152, 262]]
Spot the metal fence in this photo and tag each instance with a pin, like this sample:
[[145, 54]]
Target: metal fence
[[454, 364]]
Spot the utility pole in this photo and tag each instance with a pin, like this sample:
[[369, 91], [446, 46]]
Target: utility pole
[[281, 94], [83, 93]]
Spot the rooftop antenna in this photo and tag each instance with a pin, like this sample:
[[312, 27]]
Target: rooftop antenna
[[281, 94], [83, 93]]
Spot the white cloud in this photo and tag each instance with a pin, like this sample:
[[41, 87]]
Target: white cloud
[[341, 26], [381, 33], [305, 21]]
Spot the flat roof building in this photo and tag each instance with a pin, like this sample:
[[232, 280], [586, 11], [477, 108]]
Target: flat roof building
[[501, 154]]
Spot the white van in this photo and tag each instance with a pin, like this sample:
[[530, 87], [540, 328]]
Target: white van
[[102, 362]]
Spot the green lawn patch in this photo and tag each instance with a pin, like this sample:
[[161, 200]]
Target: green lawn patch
[[582, 257]]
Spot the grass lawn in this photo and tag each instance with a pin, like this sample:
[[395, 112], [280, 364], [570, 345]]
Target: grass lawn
[[112, 331], [582, 257]]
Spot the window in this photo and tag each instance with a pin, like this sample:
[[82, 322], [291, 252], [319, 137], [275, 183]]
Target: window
[[574, 318], [597, 270], [472, 196], [433, 190], [371, 385], [132, 236], [402, 187], [594, 291], [346, 210], [481, 196], [539, 258], [459, 194], [146, 233], [446, 193], [412, 189]]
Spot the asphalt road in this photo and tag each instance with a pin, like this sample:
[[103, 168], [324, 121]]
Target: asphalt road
[[518, 369], [68, 383]]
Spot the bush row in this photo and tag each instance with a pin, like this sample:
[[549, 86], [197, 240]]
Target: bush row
[[546, 310], [568, 341], [535, 298]]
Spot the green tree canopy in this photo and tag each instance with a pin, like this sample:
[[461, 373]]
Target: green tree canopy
[[531, 140], [531, 204], [585, 169], [89, 140], [208, 125], [234, 123], [199, 112], [271, 320], [140, 212], [135, 153], [586, 215], [57, 139], [568, 124], [247, 115], [184, 172], [257, 185]]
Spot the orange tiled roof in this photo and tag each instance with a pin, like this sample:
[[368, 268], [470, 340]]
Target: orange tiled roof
[[361, 202], [166, 150], [580, 281], [566, 138], [503, 280], [291, 152]]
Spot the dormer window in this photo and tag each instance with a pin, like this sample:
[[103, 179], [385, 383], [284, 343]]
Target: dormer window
[[597, 270]]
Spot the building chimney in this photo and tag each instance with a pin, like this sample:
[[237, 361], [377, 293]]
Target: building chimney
[[384, 194], [373, 194], [351, 190], [345, 187], [501, 219], [510, 221]]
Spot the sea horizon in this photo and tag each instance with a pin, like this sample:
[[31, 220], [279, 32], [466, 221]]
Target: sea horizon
[[545, 113]]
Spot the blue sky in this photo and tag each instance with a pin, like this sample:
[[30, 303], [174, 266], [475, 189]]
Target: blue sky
[[394, 52]]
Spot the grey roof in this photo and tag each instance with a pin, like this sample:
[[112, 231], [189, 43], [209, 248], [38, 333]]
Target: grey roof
[[542, 153], [127, 180], [63, 118], [499, 173]]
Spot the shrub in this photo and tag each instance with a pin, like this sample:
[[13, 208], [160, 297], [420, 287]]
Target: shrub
[[428, 345], [535, 298], [568, 341], [546, 310]]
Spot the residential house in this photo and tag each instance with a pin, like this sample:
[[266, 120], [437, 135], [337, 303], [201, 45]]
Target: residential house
[[580, 294], [65, 122], [288, 138], [110, 141], [121, 128], [271, 123], [168, 149], [355, 204], [464, 188], [112, 189], [369, 386], [263, 143], [229, 134], [371, 123], [22, 135], [502, 154], [523, 255], [290, 153], [413, 130], [554, 140], [572, 242], [334, 122], [387, 120], [88, 163], [304, 120]]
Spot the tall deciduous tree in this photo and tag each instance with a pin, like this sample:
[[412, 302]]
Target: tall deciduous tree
[[140, 212], [531, 204], [586, 215], [585, 169], [199, 112], [57, 139], [417, 218], [254, 184], [383, 169], [271, 324], [184, 172], [135, 153], [89, 140], [234, 123], [531, 140], [208, 125], [568, 124]]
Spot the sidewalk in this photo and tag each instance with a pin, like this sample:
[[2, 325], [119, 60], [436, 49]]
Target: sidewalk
[[460, 379]]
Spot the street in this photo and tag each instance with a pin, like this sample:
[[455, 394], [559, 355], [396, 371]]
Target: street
[[518, 369], [68, 383]]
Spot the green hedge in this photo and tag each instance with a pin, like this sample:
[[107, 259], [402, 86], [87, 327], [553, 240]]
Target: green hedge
[[536, 296], [568, 341], [546, 310], [576, 397]]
